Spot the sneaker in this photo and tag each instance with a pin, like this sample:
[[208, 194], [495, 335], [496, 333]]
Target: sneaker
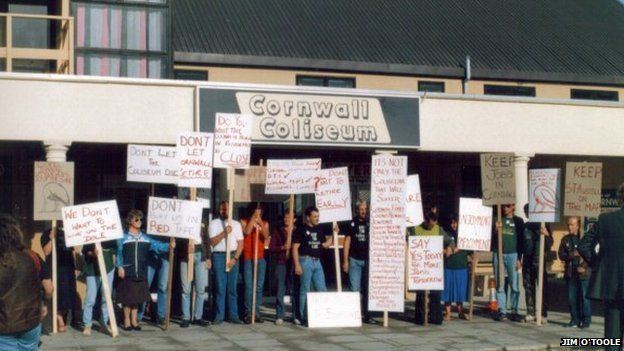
[[279, 321], [514, 317], [571, 324], [86, 331], [528, 318], [584, 325], [185, 323], [296, 321], [200, 322], [500, 317]]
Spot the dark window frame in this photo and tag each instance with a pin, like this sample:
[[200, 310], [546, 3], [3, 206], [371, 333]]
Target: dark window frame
[[192, 71], [595, 95], [325, 80], [509, 90], [422, 86]]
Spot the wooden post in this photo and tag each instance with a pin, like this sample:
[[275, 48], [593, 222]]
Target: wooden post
[[337, 258], [107, 293], [501, 274], [475, 261], [385, 319], [169, 283], [54, 279], [426, 323], [540, 278], [230, 182], [191, 246]]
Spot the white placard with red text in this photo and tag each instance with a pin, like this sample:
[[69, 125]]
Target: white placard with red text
[[174, 218], [232, 140], [194, 155], [474, 230], [285, 176], [332, 194], [425, 263], [91, 223], [413, 200], [544, 195], [152, 164]]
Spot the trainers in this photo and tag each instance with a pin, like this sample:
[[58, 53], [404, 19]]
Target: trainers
[[528, 318], [500, 317], [200, 322], [279, 321], [296, 321], [185, 323], [584, 325], [86, 331], [515, 317]]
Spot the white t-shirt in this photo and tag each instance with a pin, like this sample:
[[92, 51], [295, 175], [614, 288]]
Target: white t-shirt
[[217, 226]]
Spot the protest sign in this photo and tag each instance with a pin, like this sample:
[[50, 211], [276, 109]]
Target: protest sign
[[174, 218], [544, 195], [249, 186], [232, 140], [332, 194], [387, 233], [334, 309], [413, 201], [498, 179], [475, 225], [425, 263], [91, 223], [194, 158], [583, 184], [152, 164], [53, 189], [284, 176]]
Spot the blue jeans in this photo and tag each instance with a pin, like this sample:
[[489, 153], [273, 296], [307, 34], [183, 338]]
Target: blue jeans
[[160, 264], [312, 274], [200, 279], [578, 299], [225, 282], [24, 341], [358, 281], [509, 264], [248, 273], [94, 284], [280, 275]]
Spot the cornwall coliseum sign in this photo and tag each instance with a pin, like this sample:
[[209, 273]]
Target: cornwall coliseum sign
[[318, 118]]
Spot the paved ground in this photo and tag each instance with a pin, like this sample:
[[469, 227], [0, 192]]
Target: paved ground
[[480, 334]]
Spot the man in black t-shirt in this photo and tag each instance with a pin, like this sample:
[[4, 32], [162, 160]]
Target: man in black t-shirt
[[308, 241], [355, 259]]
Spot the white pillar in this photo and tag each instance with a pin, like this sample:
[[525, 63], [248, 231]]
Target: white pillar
[[56, 151], [521, 164]]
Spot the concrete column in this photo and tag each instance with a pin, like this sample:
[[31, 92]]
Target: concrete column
[[56, 151], [521, 164]]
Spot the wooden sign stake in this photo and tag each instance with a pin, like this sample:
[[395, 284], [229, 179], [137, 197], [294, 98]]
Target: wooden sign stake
[[337, 259], [540, 279], [475, 262], [169, 283], [107, 293], [426, 323], [230, 182], [54, 280], [501, 274]]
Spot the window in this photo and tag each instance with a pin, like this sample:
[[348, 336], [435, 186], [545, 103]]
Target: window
[[431, 86], [320, 81], [188, 74], [606, 95], [508, 90]]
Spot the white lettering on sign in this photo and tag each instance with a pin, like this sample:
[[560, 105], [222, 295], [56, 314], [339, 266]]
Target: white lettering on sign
[[174, 218], [583, 189], [413, 201], [284, 176], [91, 223], [474, 230], [194, 155], [498, 179], [544, 195], [232, 144], [152, 164], [387, 233], [315, 118], [425, 263]]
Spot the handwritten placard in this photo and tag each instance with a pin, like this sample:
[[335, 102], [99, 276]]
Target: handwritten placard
[[194, 155], [249, 186], [474, 230], [174, 218], [334, 309], [91, 223], [498, 179], [53, 189], [332, 194], [413, 201], [387, 233], [152, 164], [583, 188], [232, 144], [544, 195], [425, 263], [285, 176]]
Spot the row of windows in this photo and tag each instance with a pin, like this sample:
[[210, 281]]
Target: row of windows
[[423, 85]]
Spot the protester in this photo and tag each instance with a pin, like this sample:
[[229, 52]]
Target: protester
[[158, 266], [455, 275], [226, 282], [65, 278], [430, 227], [279, 246], [530, 266], [577, 273], [202, 262], [256, 231], [308, 242], [355, 257], [91, 270], [133, 251], [512, 229], [22, 277]]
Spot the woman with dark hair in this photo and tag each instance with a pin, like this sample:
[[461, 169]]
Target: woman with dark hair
[[22, 276], [455, 274], [256, 232]]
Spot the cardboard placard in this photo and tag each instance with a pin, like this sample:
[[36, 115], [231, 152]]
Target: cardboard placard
[[544, 195], [332, 194], [583, 189], [194, 158], [498, 179], [152, 164], [53, 189], [334, 309], [174, 218], [387, 233], [474, 232], [413, 200], [425, 263], [232, 140], [91, 223], [249, 186], [284, 176]]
